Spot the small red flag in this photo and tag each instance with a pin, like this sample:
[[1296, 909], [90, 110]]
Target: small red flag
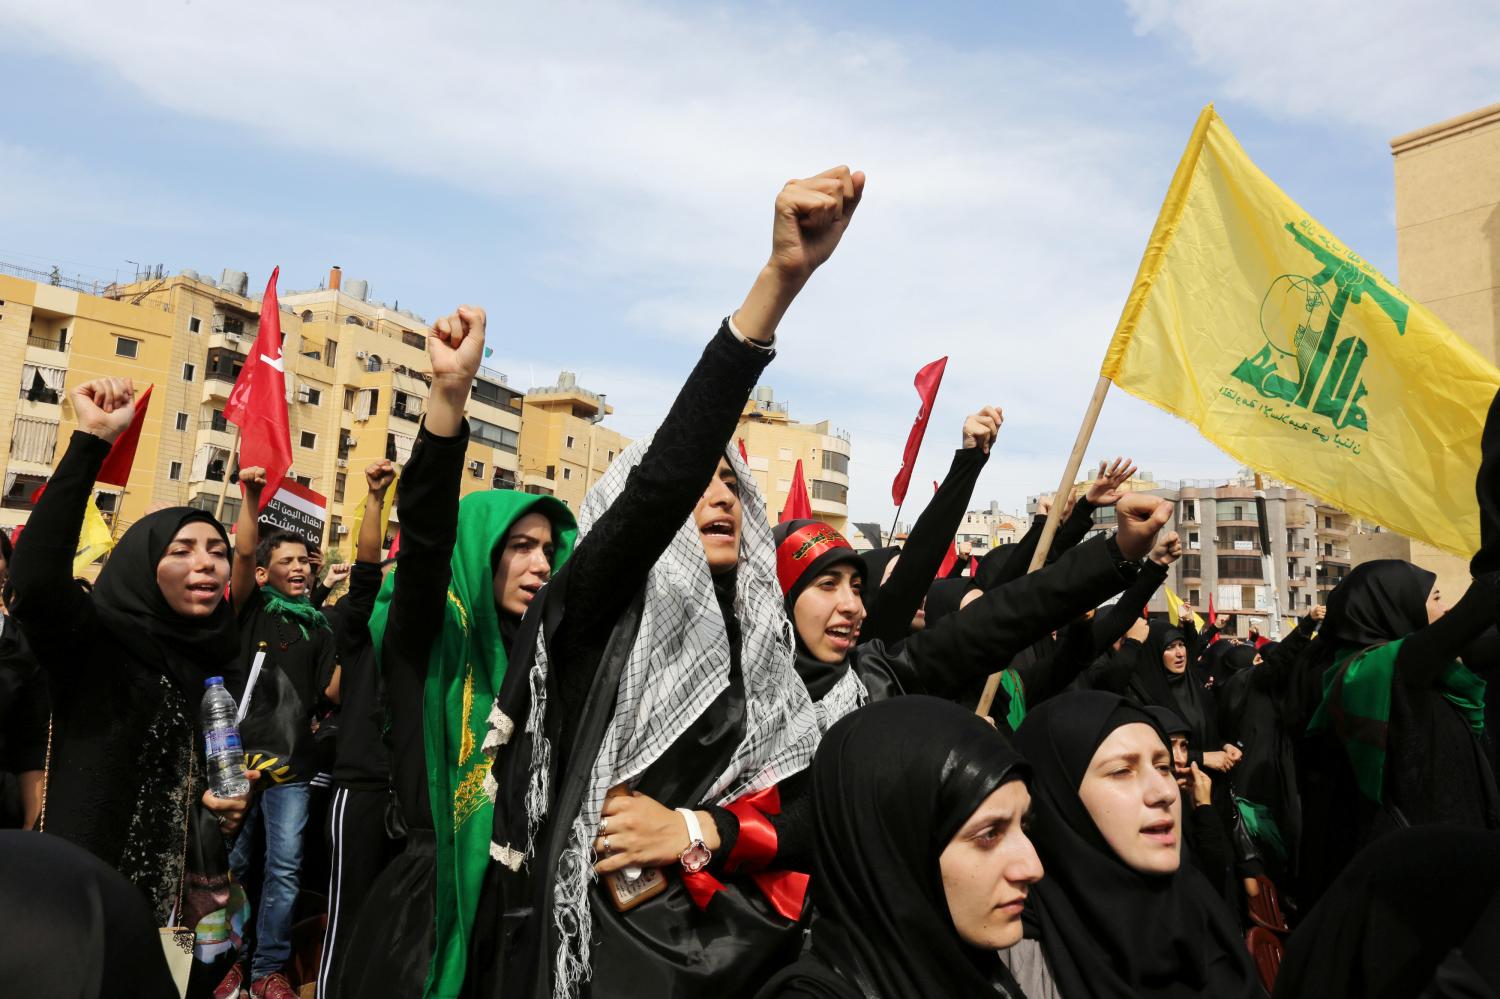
[[973, 566], [116, 468], [395, 543], [743, 453], [798, 504], [934, 485], [927, 382], [1213, 618], [949, 561], [257, 404]]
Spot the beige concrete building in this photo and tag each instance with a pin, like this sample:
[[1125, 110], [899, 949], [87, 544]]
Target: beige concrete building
[[1447, 179], [775, 442], [356, 386], [564, 446]]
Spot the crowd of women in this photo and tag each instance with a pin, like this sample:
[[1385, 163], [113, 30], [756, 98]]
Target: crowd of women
[[663, 749]]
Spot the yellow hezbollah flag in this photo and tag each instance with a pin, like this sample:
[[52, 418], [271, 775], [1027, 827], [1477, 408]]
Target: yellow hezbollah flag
[[93, 539], [385, 518], [1297, 357], [1174, 609]]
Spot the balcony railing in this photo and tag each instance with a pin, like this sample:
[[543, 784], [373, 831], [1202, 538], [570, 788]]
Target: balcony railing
[[47, 342]]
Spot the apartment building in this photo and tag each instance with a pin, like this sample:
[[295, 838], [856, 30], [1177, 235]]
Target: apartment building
[[775, 443]]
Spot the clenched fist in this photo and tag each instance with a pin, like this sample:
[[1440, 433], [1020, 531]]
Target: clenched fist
[[104, 407]]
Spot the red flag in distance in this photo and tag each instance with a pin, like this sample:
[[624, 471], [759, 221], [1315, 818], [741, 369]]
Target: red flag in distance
[[257, 404], [798, 504], [927, 382]]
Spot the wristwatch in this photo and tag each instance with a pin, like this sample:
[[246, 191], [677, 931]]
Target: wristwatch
[[697, 855]]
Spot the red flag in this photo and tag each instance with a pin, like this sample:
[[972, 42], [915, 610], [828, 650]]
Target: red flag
[[1213, 618], [927, 382], [257, 404], [973, 566], [743, 453], [949, 561], [116, 468], [395, 543], [934, 485], [798, 505]]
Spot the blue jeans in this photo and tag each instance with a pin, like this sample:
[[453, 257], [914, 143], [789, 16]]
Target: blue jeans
[[278, 818]]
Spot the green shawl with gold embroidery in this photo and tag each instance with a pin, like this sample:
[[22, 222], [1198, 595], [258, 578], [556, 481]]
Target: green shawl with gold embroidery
[[464, 672]]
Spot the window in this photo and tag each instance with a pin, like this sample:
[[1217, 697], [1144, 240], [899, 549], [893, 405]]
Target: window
[[785, 454], [1189, 510], [307, 315], [223, 364], [835, 462], [414, 340], [495, 436], [1239, 567], [1192, 567], [314, 396], [304, 480], [829, 491], [308, 440], [339, 482], [349, 400], [567, 473], [218, 422], [407, 407], [502, 479], [611, 457], [476, 469], [182, 419], [1193, 539], [40, 383], [195, 325], [571, 443], [126, 347], [493, 394], [189, 372], [330, 352], [174, 471], [1193, 597], [551, 472], [19, 489], [372, 363]]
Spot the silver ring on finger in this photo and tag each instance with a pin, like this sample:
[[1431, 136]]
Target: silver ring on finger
[[605, 844], [604, 825]]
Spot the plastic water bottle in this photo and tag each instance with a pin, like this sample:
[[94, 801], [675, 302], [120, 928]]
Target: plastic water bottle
[[226, 760]]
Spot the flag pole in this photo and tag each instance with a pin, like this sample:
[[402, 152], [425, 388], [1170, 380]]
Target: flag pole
[[1054, 515], [896, 521], [234, 449]]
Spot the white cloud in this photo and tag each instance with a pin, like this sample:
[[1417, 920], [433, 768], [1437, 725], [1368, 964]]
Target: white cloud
[[1391, 66], [1009, 194]]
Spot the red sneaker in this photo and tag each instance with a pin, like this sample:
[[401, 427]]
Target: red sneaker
[[272, 987], [229, 988]]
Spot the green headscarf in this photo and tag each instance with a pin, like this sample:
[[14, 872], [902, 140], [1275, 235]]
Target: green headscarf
[[294, 610], [464, 672], [1357, 705]]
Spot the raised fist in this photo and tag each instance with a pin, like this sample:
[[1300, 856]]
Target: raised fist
[[253, 479], [379, 475], [981, 428], [811, 216], [104, 407], [1168, 549], [456, 346], [1139, 517]]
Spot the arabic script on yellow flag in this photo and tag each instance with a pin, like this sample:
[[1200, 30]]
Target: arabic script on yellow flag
[[1297, 357], [93, 539]]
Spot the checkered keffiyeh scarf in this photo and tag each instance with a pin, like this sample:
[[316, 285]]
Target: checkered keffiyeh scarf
[[678, 664]]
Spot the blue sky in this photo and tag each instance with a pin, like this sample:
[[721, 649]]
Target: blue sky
[[600, 176]]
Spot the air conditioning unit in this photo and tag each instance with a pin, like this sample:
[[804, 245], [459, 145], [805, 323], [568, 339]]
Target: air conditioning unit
[[343, 529], [303, 393], [343, 462], [351, 441], [361, 355]]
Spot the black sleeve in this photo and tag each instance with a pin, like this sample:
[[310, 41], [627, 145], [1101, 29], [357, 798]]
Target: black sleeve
[[984, 636], [896, 602], [794, 828], [319, 595], [1051, 675], [610, 565], [24, 722], [1211, 849], [1071, 531], [53, 611], [1016, 561], [1427, 652], [427, 500], [1114, 621], [1276, 670], [1113, 668], [1205, 639], [357, 606]]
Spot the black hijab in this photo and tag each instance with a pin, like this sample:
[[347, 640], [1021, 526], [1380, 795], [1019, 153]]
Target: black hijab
[[131, 606], [1108, 930], [891, 784], [944, 597], [1377, 602], [1182, 692], [1417, 908]]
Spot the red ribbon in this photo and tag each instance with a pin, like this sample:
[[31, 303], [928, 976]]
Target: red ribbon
[[755, 847]]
